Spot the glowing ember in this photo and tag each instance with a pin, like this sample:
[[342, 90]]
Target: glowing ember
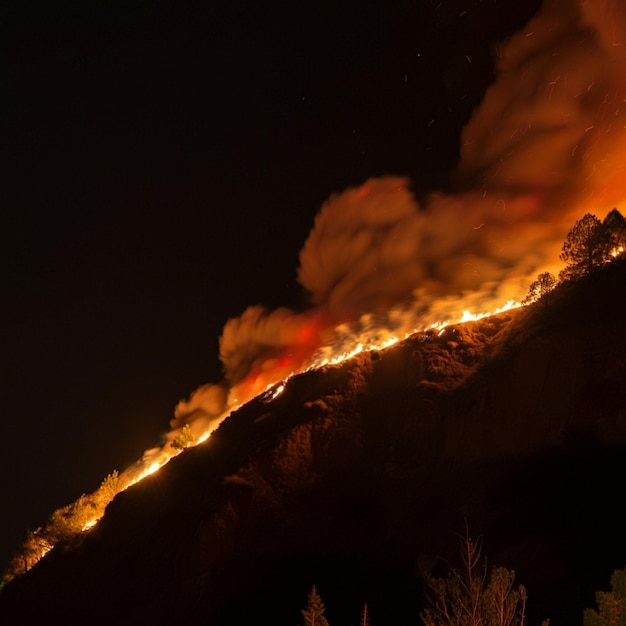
[[45, 551], [151, 469], [204, 437], [274, 392], [470, 317]]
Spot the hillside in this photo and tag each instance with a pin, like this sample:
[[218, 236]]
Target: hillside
[[357, 477]]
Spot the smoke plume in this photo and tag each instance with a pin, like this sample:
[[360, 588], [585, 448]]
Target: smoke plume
[[545, 147]]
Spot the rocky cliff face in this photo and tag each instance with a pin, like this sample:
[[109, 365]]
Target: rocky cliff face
[[357, 478]]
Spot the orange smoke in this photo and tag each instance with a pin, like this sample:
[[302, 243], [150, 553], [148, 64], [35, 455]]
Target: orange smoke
[[555, 119], [545, 147]]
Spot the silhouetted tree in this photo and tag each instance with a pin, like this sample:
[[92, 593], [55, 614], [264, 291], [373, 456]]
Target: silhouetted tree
[[611, 604], [313, 612], [470, 597], [587, 247], [615, 224], [540, 288]]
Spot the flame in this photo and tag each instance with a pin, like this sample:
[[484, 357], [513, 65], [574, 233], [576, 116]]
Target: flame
[[470, 317], [273, 392], [154, 467], [379, 338], [45, 550], [204, 437]]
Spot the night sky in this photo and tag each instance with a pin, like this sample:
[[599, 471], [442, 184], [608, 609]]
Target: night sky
[[165, 168]]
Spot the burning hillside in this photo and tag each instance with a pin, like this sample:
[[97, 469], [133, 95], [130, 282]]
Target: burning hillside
[[545, 147], [356, 475]]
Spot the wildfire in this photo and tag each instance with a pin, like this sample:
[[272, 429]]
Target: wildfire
[[347, 342], [379, 338], [342, 343], [370, 338], [470, 317], [358, 258]]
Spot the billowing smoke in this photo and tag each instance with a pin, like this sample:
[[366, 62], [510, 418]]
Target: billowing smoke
[[373, 249], [554, 121], [545, 146], [364, 250], [260, 340], [204, 405]]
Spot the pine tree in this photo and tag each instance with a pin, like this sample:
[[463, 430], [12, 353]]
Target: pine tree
[[587, 247], [313, 612], [540, 289], [615, 224]]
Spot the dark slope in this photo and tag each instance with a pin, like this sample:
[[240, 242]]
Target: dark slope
[[358, 476]]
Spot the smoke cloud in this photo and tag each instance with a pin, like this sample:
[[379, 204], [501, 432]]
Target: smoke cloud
[[363, 251], [545, 146], [258, 340], [200, 410], [555, 118]]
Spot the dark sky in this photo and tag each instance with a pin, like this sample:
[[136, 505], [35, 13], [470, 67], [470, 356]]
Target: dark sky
[[165, 167]]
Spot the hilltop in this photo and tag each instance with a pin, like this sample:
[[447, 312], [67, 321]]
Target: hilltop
[[358, 476]]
